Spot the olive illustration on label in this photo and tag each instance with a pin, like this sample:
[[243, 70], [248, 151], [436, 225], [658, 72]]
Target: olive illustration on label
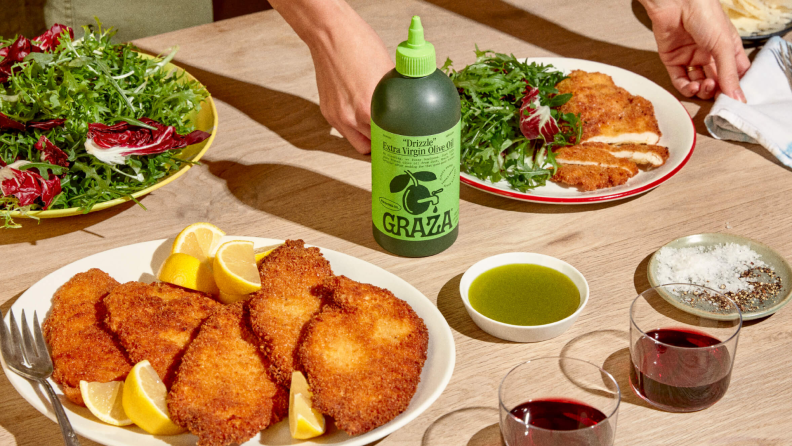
[[416, 199]]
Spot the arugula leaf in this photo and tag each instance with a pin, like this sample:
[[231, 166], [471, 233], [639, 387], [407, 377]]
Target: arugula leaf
[[493, 147], [86, 81]]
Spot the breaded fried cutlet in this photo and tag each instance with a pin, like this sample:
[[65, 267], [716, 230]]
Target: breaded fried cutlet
[[646, 155], [593, 155], [363, 355], [157, 322], [588, 178], [590, 167], [291, 293], [223, 392], [82, 348], [608, 113]]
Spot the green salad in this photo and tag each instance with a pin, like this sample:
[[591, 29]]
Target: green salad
[[60, 92], [510, 119]]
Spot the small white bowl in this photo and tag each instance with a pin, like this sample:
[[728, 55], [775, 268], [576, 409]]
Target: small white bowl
[[523, 333]]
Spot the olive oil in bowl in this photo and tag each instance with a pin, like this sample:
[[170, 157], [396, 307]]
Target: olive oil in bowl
[[524, 294]]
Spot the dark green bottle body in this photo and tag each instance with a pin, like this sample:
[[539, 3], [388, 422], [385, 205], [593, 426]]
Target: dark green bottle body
[[415, 163]]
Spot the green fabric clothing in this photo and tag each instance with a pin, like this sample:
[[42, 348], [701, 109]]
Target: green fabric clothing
[[132, 18]]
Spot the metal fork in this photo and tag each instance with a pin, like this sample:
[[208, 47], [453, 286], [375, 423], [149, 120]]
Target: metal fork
[[784, 57], [27, 355]]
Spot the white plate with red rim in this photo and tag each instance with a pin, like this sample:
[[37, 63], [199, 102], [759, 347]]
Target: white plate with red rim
[[679, 135], [139, 261]]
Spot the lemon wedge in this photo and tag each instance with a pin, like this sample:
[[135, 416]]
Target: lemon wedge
[[304, 421], [199, 240], [231, 298], [187, 271], [235, 270], [104, 401], [264, 252], [144, 401]]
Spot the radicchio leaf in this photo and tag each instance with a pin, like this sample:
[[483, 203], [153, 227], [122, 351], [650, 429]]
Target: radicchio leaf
[[49, 124], [111, 144], [535, 119], [51, 153], [16, 52], [51, 38], [22, 46], [8, 123], [28, 185]]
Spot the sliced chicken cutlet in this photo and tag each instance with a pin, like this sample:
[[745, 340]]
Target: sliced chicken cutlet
[[589, 167], [363, 355], [82, 348], [157, 322], [223, 392], [609, 113], [291, 294], [588, 178], [647, 155]]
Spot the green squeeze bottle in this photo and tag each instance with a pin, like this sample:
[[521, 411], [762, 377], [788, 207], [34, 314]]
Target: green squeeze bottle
[[415, 143]]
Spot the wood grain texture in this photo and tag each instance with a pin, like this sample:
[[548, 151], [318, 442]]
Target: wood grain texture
[[275, 170]]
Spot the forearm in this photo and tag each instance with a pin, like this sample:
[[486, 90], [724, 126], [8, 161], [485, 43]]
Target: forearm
[[317, 21]]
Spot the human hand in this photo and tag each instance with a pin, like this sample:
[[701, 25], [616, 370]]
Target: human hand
[[349, 59], [699, 47], [347, 71]]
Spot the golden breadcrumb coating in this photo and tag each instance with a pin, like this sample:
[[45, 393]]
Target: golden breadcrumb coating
[[647, 155], [591, 155], [291, 278], [363, 355], [157, 322], [588, 178], [223, 392], [606, 110], [589, 167], [82, 348]]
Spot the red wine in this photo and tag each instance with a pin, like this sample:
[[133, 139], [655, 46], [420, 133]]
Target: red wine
[[680, 379], [562, 415], [562, 422]]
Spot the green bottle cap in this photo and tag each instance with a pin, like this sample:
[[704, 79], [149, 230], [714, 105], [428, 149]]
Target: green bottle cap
[[415, 57]]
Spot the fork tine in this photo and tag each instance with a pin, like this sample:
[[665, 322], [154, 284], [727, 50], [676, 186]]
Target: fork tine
[[41, 344], [16, 338], [8, 347], [28, 349]]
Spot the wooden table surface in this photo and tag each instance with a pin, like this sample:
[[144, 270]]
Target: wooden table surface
[[275, 170]]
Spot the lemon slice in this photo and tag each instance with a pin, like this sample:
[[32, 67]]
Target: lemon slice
[[144, 401], [264, 252], [231, 298], [199, 240], [187, 271], [104, 401], [235, 270], [304, 421]]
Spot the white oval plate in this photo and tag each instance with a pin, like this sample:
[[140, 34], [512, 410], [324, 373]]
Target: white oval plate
[[139, 261], [679, 135]]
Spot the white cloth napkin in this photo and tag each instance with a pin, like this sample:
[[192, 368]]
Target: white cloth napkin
[[767, 117]]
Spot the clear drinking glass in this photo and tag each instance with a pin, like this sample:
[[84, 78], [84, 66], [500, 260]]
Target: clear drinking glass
[[558, 402], [682, 362]]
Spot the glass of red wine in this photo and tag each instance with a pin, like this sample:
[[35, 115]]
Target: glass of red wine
[[558, 402], [682, 362]]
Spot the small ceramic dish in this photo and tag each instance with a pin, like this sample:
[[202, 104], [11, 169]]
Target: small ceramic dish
[[769, 256], [523, 333]]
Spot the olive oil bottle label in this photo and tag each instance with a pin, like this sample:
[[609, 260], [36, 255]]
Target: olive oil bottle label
[[415, 183]]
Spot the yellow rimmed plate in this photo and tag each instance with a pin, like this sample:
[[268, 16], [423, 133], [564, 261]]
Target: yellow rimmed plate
[[205, 120]]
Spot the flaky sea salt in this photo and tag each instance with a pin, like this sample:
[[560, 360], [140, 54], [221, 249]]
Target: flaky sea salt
[[718, 267]]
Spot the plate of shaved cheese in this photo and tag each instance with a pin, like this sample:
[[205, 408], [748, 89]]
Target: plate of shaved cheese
[[634, 136], [758, 20]]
